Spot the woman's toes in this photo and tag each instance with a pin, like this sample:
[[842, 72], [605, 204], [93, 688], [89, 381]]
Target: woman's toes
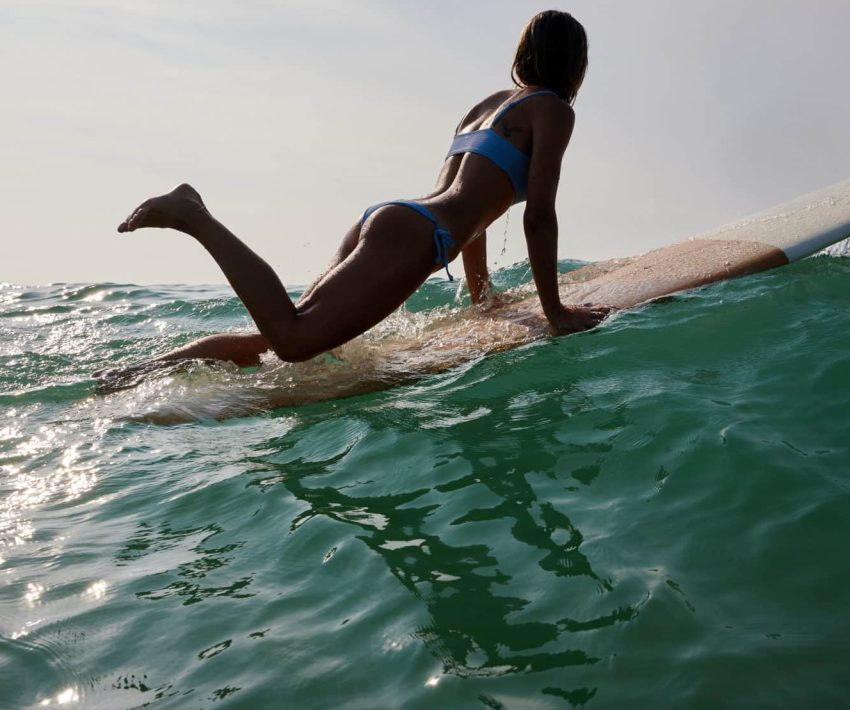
[[137, 219]]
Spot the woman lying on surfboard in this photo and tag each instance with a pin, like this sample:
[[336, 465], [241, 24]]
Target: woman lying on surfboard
[[507, 149]]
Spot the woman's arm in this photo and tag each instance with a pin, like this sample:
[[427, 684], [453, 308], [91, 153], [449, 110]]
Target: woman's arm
[[475, 267], [552, 128]]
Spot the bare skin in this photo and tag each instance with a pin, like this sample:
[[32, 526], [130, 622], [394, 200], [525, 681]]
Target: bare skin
[[371, 276]]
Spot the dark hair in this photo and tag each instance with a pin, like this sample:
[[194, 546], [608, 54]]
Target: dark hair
[[552, 52]]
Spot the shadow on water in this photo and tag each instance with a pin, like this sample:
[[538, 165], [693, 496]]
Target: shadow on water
[[189, 588], [479, 569]]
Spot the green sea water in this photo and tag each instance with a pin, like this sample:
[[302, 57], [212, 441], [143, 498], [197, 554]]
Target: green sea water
[[652, 514]]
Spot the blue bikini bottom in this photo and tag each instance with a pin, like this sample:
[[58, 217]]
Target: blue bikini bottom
[[442, 237]]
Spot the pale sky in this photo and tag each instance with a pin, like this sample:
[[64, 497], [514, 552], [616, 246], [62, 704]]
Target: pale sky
[[292, 117]]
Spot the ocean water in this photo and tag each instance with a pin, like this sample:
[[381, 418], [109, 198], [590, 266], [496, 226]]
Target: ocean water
[[652, 514]]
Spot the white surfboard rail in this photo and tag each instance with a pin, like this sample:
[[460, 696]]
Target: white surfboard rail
[[799, 227]]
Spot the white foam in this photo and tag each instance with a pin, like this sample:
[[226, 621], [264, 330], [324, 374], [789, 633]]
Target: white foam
[[841, 249]]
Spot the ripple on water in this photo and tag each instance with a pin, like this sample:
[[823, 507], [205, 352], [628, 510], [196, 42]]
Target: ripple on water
[[653, 510]]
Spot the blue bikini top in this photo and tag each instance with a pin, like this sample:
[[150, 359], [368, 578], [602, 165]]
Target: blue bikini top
[[498, 149]]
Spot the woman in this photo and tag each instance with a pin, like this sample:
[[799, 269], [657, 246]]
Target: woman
[[507, 149]]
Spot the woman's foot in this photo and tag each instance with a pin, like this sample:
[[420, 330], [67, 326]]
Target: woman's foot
[[172, 210]]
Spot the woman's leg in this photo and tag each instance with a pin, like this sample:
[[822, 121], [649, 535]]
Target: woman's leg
[[372, 281], [242, 349], [349, 242], [245, 349]]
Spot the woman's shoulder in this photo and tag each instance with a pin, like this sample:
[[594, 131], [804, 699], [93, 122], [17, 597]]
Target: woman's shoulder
[[485, 107], [494, 100], [557, 109], [499, 98]]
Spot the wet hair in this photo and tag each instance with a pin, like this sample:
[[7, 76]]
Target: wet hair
[[552, 52]]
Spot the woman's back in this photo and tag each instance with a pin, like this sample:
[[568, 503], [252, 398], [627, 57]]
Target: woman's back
[[502, 140], [486, 169]]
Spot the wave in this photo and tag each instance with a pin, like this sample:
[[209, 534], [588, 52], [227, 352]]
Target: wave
[[88, 326]]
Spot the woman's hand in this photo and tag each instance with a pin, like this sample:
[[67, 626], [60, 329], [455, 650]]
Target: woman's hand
[[493, 299], [573, 319]]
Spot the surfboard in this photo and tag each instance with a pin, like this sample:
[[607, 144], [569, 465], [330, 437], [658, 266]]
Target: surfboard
[[392, 355]]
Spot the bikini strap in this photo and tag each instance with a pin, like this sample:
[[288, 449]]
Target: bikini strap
[[443, 242], [442, 237], [513, 103]]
